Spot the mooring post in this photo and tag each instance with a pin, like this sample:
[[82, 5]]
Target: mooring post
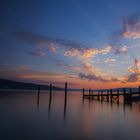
[[118, 95], [65, 102], [130, 97], [98, 95], [92, 94], [101, 95], [65, 91], [89, 93], [130, 90], [107, 95], [124, 95], [111, 97], [50, 92], [83, 92]]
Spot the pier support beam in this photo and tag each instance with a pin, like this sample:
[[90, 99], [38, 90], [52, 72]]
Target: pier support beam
[[107, 98], [65, 92], [102, 98], [118, 98], [65, 101], [98, 97], [89, 94], [50, 91], [83, 93], [124, 95], [111, 97]]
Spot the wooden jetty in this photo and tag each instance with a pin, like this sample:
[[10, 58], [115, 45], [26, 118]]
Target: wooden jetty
[[113, 95]]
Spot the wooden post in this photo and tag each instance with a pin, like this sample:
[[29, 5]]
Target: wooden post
[[118, 96], [98, 95], [92, 95], [102, 95], [107, 95], [50, 92], [130, 91], [83, 92], [65, 91], [111, 97], [130, 97], [89, 93], [124, 95], [65, 102]]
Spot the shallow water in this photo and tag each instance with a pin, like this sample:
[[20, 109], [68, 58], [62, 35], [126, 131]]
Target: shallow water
[[21, 118]]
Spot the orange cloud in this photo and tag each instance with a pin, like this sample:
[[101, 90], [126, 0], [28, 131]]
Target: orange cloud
[[72, 52], [52, 47], [37, 53], [131, 35], [134, 73], [88, 53]]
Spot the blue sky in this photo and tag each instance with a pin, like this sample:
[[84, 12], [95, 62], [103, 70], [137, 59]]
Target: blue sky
[[86, 42]]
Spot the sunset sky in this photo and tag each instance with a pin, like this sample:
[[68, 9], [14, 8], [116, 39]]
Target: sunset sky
[[88, 43]]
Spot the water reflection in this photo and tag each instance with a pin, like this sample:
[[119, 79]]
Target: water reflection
[[50, 103], [49, 106], [84, 119], [65, 107], [38, 96]]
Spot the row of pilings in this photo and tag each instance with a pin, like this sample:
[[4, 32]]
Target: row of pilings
[[50, 97], [112, 95]]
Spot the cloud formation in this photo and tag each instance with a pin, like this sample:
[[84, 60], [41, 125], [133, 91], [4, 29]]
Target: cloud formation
[[93, 77], [88, 53], [37, 53], [134, 72], [68, 66], [65, 47], [131, 27], [120, 50], [108, 60]]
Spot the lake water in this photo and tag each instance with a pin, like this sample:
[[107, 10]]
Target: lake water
[[21, 118]]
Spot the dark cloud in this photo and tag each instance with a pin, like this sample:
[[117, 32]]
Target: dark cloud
[[68, 66], [133, 77], [120, 50], [92, 77], [43, 41], [130, 29], [37, 53], [66, 47]]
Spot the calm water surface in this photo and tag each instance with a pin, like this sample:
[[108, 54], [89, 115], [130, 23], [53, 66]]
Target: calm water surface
[[22, 119]]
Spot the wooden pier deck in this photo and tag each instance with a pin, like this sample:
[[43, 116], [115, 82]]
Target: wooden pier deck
[[113, 95]]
